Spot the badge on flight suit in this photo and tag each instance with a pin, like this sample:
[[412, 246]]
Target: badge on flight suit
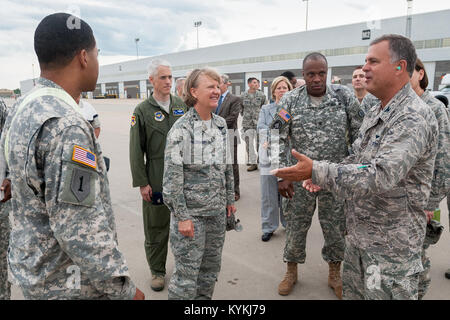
[[133, 120], [178, 111], [159, 116]]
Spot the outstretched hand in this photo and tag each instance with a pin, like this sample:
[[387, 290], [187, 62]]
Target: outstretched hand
[[301, 171], [311, 187]]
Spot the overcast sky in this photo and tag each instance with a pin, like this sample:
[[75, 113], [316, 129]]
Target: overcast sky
[[165, 26]]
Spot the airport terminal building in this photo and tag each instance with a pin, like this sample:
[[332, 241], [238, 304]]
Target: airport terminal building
[[266, 58]]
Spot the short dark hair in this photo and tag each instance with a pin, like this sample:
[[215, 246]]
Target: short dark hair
[[358, 67], [251, 79], [288, 74], [57, 42], [314, 56], [419, 66], [400, 48]]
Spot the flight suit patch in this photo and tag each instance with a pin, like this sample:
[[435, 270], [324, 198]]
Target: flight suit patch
[[133, 120], [178, 111], [159, 116]]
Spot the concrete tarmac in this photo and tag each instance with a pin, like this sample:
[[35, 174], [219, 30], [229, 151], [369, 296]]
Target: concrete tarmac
[[251, 269]]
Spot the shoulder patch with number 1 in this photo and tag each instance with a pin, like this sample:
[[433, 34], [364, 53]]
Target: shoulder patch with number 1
[[84, 156]]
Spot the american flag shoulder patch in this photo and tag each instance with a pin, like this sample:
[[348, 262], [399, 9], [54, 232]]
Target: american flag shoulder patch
[[284, 115], [84, 156]]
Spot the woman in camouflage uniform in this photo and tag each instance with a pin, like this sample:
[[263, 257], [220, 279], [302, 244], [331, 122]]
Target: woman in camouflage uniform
[[198, 189]]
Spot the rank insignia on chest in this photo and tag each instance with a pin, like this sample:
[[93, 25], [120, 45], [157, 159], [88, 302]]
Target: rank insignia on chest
[[84, 156], [284, 115], [159, 116], [133, 120], [178, 111]]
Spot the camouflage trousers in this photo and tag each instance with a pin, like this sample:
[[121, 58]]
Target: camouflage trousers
[[198, 259], [250, 136], [298, 214], [368, 276], [5, 229], [424, 278]]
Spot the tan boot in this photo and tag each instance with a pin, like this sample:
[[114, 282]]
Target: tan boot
[[334, 278], [290, 278], [157, 282]]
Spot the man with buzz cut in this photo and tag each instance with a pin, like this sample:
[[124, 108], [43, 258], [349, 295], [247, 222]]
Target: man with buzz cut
[[150, 123], [63, 242], [321, 121]]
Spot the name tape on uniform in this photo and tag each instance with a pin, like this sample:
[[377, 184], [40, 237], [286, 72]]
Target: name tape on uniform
[[84, 156]]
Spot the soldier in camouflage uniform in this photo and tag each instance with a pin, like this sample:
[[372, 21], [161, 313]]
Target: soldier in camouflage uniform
[[198, 188], [321, 121], [252, 101], [5, 208], [63, 239], [439, 187], [386, 182]]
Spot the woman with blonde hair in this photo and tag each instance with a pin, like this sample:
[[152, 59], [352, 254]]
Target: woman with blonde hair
[[271, 212], [198, 188]]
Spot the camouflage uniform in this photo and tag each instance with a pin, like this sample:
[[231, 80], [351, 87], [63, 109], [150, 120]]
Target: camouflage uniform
[[251, 106], [321, 132], [386, 184], [63, 238], [5, 287], [368, 102], [439, 185], [197, 188]]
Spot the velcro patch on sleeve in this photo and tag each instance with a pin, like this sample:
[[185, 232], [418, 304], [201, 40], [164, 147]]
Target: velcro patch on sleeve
[[133, 120], [284, 115], [84, 156]]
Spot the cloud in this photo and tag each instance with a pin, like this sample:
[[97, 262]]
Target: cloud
[[166, 26]]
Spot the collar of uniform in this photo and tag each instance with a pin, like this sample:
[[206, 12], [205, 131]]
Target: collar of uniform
[[154, 103], [426, 96], [48, 83], [392, 105], [215, 118]]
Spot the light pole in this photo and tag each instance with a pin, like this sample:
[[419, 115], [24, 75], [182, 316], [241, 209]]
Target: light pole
[[307, 9], [137, 52], [409, 18], [197, 24]]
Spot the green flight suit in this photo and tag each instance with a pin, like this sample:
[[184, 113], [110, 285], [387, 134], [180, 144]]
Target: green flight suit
[[149, 127]]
